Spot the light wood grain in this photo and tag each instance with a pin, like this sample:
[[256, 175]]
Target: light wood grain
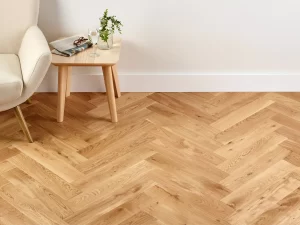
[[62, 86], [109, 84], [69, 80], [116, 81], [28, 101], [174, 158], [105, 58], [22, 122]]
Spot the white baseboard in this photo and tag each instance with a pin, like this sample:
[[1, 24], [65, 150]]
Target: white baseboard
[[182, 83]]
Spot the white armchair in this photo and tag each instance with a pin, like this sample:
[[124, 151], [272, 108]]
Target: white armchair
[[24, 55]]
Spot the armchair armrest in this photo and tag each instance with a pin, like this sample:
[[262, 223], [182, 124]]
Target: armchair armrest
[[35, 59]]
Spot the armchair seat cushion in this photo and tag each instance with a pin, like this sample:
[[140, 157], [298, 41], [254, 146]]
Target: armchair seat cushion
[[11, 81]]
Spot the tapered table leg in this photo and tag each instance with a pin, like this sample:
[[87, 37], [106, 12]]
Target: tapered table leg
[[116, 81], [109, 84], [62, 86], [68, 91]]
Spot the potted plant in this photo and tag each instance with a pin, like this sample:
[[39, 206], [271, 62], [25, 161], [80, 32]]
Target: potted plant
[[108, 24]]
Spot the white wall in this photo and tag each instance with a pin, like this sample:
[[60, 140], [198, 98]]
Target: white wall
[[187, 38]]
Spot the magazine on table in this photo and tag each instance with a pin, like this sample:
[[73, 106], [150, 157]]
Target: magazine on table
[[66, 46]]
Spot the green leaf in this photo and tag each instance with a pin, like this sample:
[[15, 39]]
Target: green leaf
[[105, 31]]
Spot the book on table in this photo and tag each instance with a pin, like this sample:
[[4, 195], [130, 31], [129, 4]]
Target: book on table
[[66, 47]]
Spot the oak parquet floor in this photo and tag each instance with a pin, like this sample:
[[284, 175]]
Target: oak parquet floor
[[174, 158]]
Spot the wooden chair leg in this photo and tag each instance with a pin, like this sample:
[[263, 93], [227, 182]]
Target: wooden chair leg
[[28, 101], [22, 122], [116, 81]]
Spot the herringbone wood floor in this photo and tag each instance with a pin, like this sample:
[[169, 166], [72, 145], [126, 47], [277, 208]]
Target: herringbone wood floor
[[174, 158]]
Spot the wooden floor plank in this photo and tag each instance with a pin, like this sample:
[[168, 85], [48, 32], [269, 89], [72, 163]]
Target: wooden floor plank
[[110, 185], [9, 215], [44, 176], [50, 161], [93, 179], [244, 126], [254, 167], [33, 208], [182, 107], [267, 202], [101, 204], [226, 103], [243, 141], [241, 114], [35, 190], [140, 218], [256, 187], [254, 151]]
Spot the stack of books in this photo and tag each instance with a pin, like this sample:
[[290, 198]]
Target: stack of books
[[66, 47]]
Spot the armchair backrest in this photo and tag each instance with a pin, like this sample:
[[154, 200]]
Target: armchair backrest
[[16, 16]]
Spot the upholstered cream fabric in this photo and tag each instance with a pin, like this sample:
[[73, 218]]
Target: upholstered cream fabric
[[35, 59], [16, 16], [21, 71], [11, 83]]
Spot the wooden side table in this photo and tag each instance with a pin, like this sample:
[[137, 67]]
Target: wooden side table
[[107, 60]]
